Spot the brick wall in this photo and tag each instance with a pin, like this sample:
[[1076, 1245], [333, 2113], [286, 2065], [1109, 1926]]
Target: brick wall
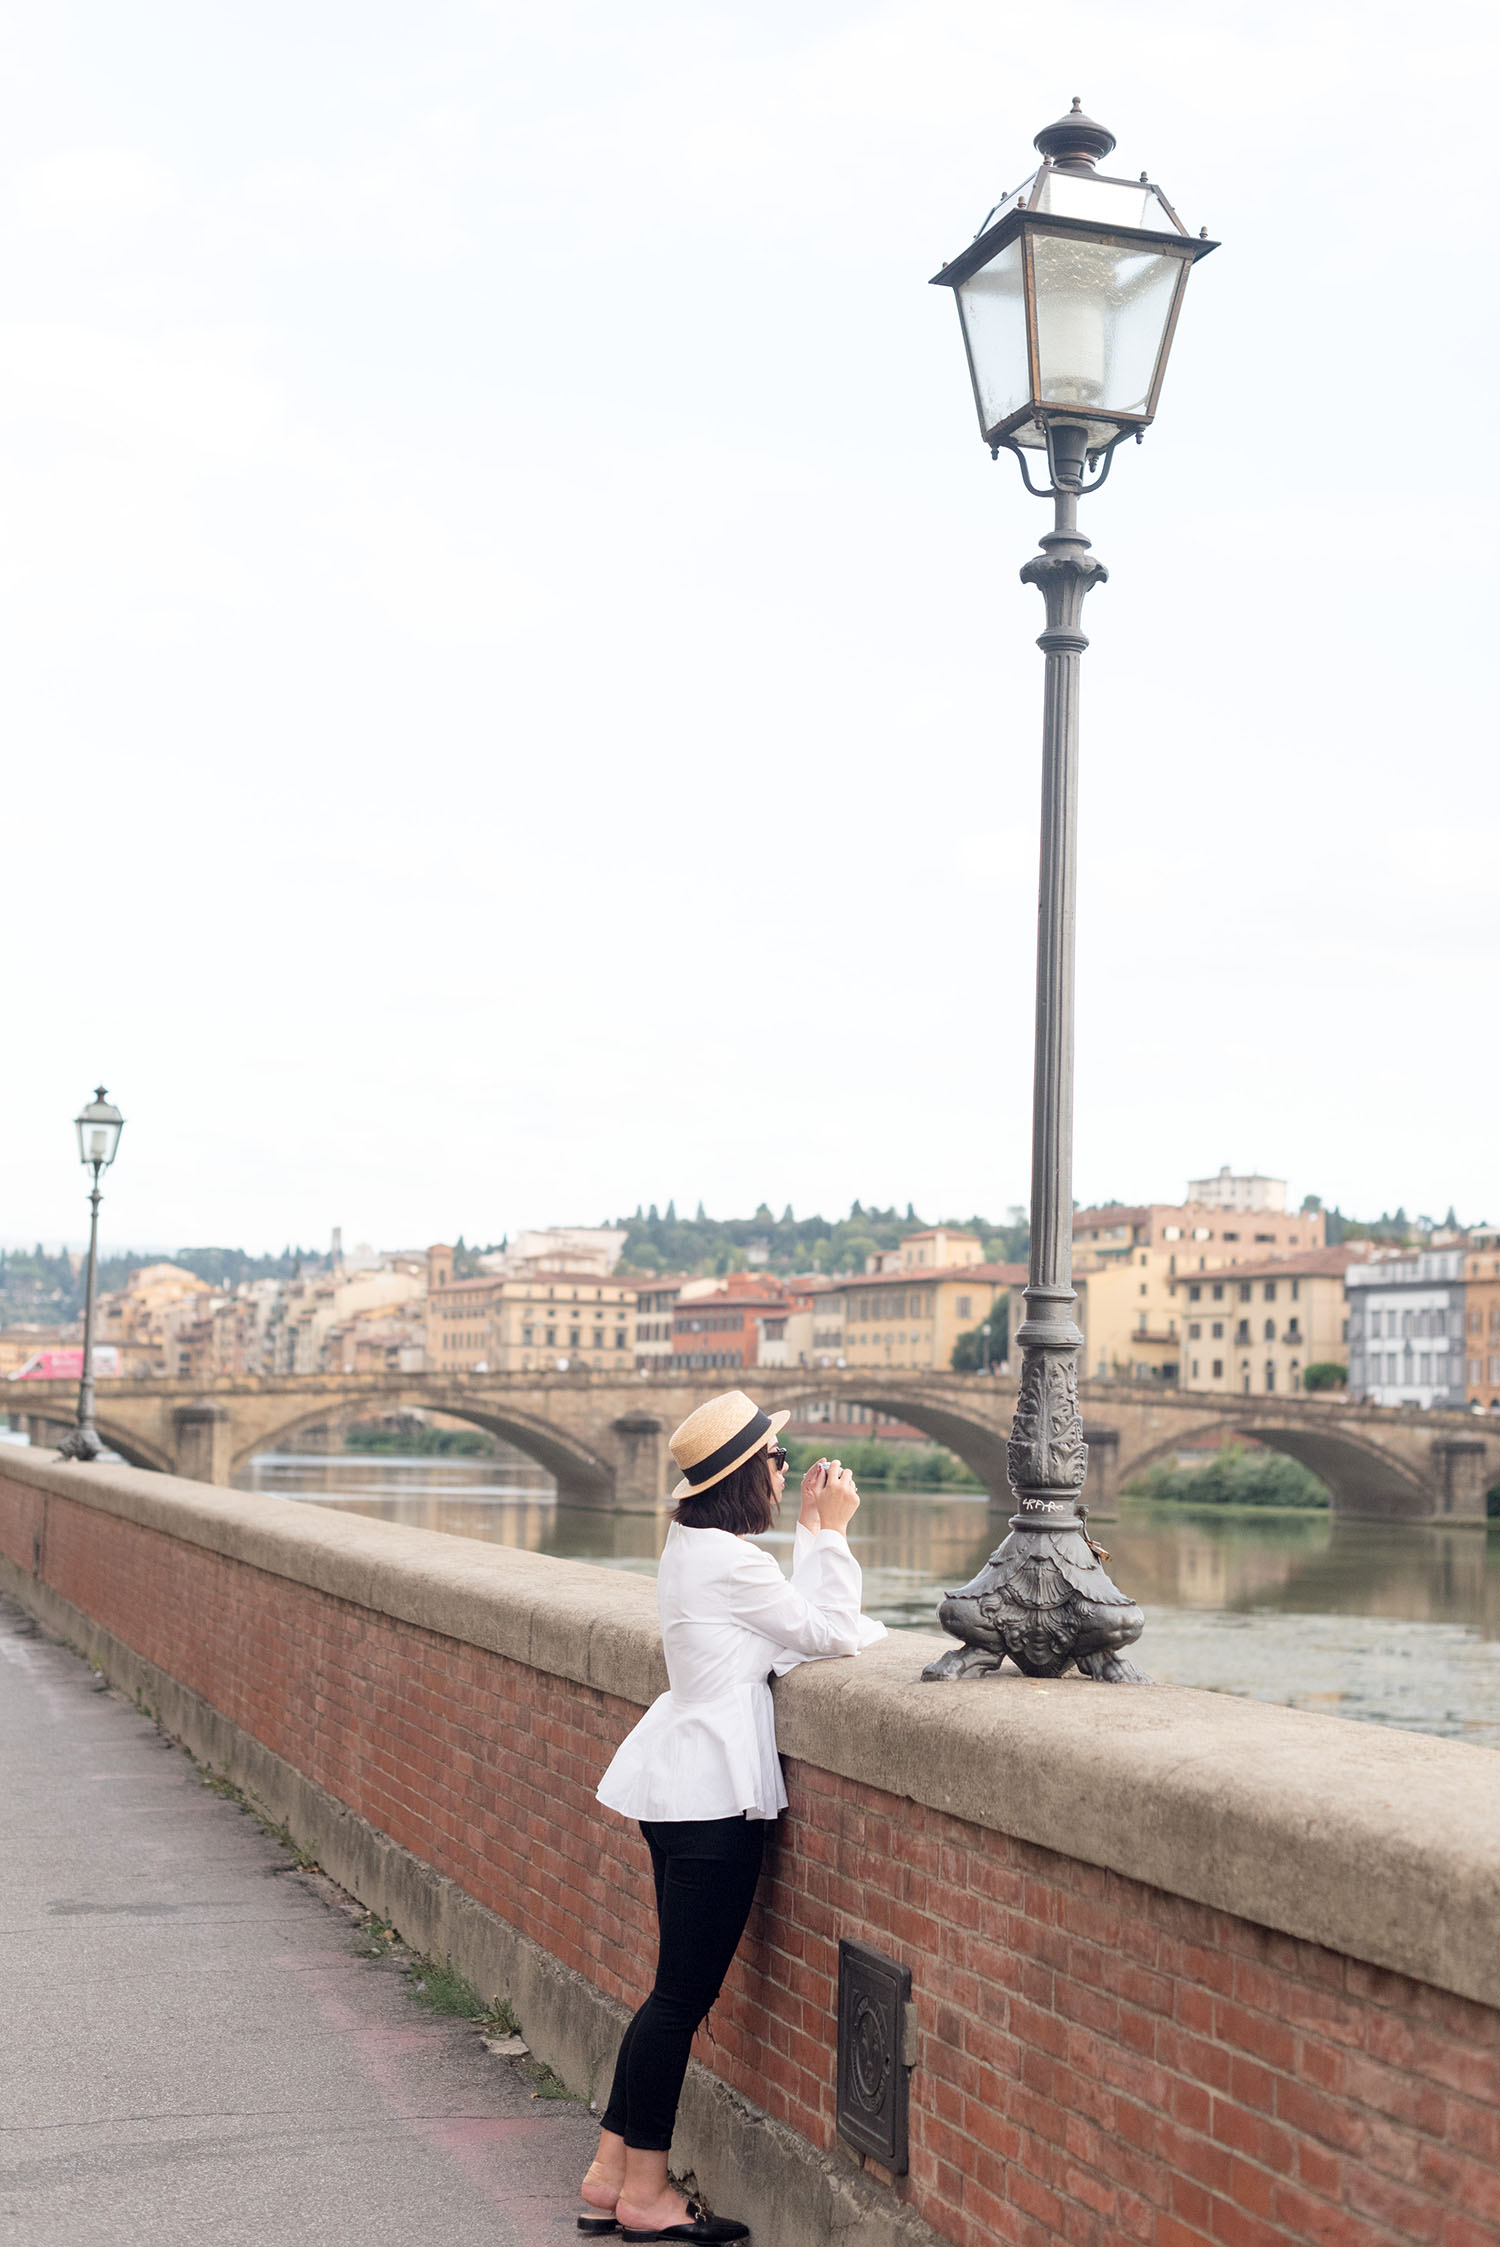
[[1099, 2061]]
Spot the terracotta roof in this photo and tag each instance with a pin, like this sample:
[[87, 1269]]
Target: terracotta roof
[[1093, 1220], [922, 1275], [1307, 1264], [529, 1279]]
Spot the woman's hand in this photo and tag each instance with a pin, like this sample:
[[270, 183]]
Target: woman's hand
[[838, 1500], [812, 1484]]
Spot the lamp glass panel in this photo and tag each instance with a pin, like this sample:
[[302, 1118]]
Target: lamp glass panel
[[97, 1139], [1108, 202], [1101, 314], [992, 307]]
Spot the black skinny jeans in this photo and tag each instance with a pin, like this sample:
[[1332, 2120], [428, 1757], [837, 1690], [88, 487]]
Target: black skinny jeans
[[705, 1872]]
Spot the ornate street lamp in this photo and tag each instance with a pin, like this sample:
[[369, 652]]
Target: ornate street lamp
[[99, 1128], [1068, 298]]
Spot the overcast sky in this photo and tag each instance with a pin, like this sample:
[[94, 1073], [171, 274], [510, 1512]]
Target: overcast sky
[[517, 692]]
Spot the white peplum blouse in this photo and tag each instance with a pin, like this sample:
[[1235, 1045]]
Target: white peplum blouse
[[706, 1748]]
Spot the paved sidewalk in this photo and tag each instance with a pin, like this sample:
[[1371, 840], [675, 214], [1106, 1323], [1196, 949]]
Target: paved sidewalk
[[192, 2054]]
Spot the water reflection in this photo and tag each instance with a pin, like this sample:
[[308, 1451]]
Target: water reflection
[[1389, 1622]]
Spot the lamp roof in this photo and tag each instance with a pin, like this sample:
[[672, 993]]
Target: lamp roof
[[1075, 142], [101, 1111]]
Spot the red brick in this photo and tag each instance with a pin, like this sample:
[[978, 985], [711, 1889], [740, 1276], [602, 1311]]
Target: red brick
[[1255, 2033], [1313, 2223], [1410, 2215], [1315, 2115], [1170, 2233]]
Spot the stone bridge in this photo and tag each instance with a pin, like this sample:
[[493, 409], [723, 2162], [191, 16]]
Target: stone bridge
[[605, 1439]]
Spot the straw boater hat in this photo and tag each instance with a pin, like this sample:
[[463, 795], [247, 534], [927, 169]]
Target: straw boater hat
[[719, 1437]]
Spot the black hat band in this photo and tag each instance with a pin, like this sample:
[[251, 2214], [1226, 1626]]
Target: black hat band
[[727, 1453]]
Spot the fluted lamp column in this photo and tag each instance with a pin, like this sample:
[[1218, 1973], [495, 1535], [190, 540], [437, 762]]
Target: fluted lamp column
[[99, 1128], [1068, 298]]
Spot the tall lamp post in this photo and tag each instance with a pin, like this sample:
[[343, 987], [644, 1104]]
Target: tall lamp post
[[1068, 298], [99, 1128]]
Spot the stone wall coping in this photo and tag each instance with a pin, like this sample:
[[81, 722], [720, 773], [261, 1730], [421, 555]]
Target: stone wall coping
[[1380, 1844]]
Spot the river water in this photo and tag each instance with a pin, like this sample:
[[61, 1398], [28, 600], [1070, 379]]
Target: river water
[[1384, 1622]]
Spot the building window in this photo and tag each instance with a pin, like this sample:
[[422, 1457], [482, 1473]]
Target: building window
[[1270, 1291], [1218, 1369], [1270, 1330], [1194, 1333], [551, 1337], [1270, 1375], [964, 1305], [1218, 1330], [619, 1338], [1195, 1293], [1218, 1288]]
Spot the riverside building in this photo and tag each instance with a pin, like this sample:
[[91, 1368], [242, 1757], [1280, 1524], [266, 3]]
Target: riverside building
[[1482, 1320], [1254, 1330], [1127, 1261], [1407, 1329], [655, 1308], [909, 1318], [723, 1329], [543, 1322]]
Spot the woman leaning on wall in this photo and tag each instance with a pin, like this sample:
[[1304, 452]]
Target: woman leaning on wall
[[701, 1773]]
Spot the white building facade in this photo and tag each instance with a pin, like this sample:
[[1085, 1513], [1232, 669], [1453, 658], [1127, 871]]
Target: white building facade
[[1243, 1189], [1406, 1329]]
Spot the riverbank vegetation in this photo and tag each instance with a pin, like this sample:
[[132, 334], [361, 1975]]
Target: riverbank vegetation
[[414, 1439], [1235, 1476], [884, 1466]]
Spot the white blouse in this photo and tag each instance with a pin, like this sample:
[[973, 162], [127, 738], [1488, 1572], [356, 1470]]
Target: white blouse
[[706, 1748]]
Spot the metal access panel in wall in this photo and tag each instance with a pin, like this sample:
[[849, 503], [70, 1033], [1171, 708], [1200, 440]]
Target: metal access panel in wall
[[874, 1993]]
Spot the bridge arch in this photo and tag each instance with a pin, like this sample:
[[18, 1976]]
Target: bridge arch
[[1361, 1477], [980, 1445], [579, 1471]]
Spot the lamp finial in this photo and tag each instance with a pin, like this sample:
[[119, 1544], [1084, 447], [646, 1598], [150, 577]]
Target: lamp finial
[[1075, 142]]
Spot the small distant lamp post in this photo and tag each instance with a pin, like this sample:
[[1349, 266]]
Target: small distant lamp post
[[99, 1128], [1068, 298]]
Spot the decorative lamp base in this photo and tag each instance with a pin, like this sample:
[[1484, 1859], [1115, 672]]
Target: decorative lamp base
[[81, 1443], [1045, 1600]]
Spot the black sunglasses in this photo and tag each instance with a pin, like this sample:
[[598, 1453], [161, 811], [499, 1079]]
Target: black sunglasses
[[777, 1456]]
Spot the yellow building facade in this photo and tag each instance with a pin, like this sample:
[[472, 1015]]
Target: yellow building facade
[[1253, 1330], [499, 1325], [911, 1319]]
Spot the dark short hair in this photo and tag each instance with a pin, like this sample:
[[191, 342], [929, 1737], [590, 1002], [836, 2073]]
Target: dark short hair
[[744, 1503]]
